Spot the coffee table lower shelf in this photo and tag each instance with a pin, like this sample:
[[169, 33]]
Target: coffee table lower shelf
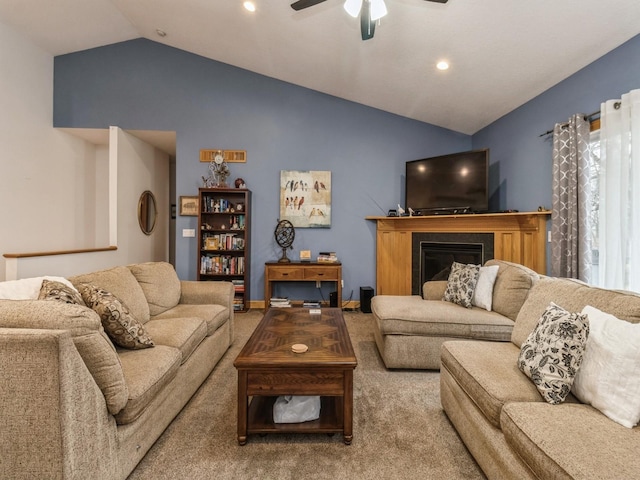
[[260, 418]]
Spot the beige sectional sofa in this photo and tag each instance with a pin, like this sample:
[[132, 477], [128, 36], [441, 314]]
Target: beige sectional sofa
[[503, 420], [73, 406], [409, 330]]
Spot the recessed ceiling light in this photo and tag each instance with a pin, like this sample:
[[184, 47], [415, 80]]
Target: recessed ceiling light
[[250, 6], [161, 33], [442, 65]]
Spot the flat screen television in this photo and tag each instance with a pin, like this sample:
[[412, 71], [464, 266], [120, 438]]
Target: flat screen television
[[454, 183]]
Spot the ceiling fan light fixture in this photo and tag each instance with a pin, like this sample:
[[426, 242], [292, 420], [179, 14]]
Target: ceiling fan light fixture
[[378, 9], [353, 7]]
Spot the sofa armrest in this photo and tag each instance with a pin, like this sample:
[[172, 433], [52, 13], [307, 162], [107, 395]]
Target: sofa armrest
[[207, 293], [434, 290], [53, 416]]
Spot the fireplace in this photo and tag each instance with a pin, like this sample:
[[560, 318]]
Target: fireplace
[[434, 253]]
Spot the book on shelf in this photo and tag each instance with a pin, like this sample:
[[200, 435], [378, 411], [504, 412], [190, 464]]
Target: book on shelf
[[327, 257], [221, 265], [238, 285], [279, 302]]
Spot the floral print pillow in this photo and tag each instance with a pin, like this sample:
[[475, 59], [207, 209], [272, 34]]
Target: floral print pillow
[[553, 352], [461, 284]]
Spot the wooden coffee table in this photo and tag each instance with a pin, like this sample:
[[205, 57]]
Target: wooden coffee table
[[267, 368]]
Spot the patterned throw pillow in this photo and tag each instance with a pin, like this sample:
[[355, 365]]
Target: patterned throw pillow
[[121, 326], [461, 284], [553, 352], [58, 291]]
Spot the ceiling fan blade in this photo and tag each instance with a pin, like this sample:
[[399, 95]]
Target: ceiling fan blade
[[300, 4], [438, 1], [367, 27]]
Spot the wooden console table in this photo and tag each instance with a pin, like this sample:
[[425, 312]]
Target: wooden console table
[[301, 272], [518, 237]]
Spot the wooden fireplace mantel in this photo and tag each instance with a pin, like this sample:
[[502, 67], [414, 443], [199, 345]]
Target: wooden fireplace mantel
[[518, 237]]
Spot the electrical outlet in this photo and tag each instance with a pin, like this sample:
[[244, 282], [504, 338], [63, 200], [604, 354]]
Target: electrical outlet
[[549, 236], [318, 284], [342, 283]]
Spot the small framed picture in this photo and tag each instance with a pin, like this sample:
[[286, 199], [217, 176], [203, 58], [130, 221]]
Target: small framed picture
[[189, 206], [305, 255]]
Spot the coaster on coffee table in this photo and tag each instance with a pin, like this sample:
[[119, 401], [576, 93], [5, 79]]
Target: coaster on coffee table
[[299, 348]]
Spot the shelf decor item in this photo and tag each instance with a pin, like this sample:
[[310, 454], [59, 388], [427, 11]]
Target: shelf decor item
[[284, 233], [219, 172]]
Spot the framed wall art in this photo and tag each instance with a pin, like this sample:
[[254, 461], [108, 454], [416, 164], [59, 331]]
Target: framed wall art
[[305, 198], [189, 206]]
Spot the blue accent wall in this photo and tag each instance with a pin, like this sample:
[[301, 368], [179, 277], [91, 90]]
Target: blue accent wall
[[521, 166], [145, 85]]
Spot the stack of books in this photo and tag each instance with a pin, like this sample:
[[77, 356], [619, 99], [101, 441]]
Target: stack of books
[[280, 302], [311, 304], [327, 257]]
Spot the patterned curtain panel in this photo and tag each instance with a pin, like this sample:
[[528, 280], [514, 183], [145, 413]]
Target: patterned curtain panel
[[619, 209], [570, 229]]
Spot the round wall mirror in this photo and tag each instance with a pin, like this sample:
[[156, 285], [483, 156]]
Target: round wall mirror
[[147, 212]]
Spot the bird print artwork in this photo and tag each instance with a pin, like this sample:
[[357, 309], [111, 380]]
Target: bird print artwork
[[305, 198]]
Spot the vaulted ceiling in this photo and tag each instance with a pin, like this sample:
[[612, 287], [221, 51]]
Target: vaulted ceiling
[[502, 52]]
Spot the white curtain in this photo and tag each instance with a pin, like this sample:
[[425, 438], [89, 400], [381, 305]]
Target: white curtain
[[570, 225], [619, 217]]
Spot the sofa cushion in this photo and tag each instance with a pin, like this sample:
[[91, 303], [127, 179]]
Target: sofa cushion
[[511, 287], [570, 440], [572, 295], [159, 283], [146, 372], [85, 327], [185, 333], [59, 292], [121, 282], [609, 377], [411, 315], [214, 315], [461, 284], [121, 326], [488, 373], [552, 353]]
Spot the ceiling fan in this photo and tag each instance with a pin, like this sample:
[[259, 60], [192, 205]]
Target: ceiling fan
[[370, 12]]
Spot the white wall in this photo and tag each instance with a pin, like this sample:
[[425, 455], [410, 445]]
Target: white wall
[[51, 183], [141, 167]]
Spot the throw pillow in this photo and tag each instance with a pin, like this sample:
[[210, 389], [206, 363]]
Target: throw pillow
[[609, 378], [58, 291], [552, 353], [461, 284], [121, 326], [483, 294]]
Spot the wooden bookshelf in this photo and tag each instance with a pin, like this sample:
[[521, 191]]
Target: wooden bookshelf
[[224, 228]]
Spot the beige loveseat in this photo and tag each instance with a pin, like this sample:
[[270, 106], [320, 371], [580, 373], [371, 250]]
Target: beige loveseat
[[409, 330], [505, 423], [73, 406]]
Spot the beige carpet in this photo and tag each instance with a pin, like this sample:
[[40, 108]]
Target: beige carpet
[[400, 430]]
